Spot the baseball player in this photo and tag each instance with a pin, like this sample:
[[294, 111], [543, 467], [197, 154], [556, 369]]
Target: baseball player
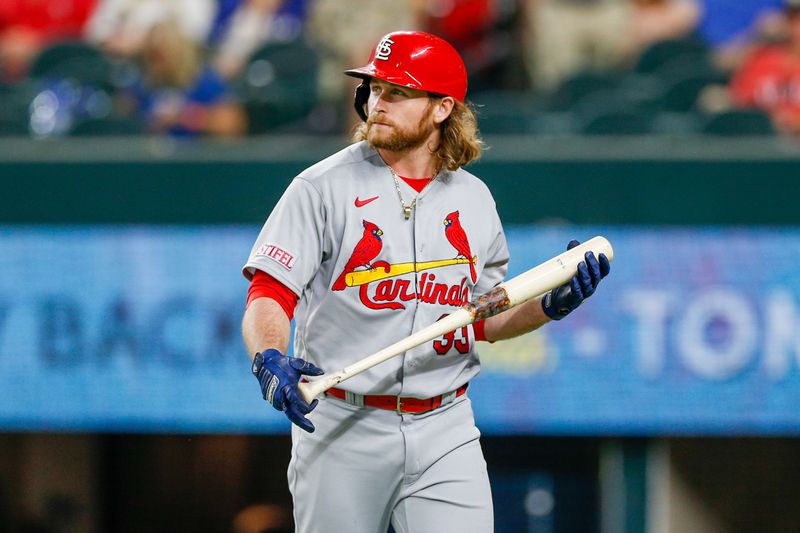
[[364, 248]]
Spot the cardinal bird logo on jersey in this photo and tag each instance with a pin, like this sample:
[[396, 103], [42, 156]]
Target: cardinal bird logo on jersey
[[458, 238], [365, 251]]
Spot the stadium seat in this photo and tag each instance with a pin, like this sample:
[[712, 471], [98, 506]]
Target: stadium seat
[[506, 121], [629, 122], [609, 112], [519, 113], [14, 117], [662, 52], [684, 78], [279, 85], [552, 123], [602, 102], [504, 112], [739, 122], [682, 95], [668, 123], [576, 88], [72, 60], [642, 91]]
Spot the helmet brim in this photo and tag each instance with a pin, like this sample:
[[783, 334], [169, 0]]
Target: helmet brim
[[404, 79], [362, 72]]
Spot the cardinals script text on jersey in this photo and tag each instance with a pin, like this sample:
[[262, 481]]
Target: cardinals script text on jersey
[[389, 289]]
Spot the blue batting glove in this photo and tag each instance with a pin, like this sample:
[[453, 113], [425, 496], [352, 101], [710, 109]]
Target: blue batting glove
[[561, 301], [278, 376]]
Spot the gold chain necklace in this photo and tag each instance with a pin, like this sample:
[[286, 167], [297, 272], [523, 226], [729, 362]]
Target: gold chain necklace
[[407, 208]]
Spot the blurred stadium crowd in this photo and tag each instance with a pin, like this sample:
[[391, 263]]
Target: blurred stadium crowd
[[537, 67]]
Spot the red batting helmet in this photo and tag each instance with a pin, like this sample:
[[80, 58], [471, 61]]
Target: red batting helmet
[[416, 60]]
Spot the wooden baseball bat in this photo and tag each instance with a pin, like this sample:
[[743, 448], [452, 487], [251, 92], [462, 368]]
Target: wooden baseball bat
[[535, 282]]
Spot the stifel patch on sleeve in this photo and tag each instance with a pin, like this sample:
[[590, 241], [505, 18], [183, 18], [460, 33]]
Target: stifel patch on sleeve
[[277, 254]]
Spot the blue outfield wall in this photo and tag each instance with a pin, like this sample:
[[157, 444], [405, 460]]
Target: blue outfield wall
[[136, 328]]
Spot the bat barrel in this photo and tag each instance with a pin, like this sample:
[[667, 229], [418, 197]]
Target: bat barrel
[[554, 272]]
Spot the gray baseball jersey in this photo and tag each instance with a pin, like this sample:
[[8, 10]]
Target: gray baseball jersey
[[367, 277]]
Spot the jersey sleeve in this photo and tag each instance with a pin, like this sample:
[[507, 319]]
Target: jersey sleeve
[[290, 245]]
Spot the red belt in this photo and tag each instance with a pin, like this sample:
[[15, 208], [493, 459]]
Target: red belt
[[401, 404]]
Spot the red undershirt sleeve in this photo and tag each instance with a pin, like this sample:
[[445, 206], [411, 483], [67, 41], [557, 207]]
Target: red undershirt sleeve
[[479, 329], [265, 286]]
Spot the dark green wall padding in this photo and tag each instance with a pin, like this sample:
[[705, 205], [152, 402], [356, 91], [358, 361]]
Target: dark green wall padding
[[583, 184]]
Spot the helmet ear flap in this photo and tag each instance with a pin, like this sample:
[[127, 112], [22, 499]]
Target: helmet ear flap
[[361, 97]]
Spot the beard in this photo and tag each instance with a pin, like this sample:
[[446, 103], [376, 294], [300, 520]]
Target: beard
[[399, 139]]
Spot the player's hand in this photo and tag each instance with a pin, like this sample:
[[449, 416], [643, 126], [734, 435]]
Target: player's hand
[[278, 376], [561, 301]]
